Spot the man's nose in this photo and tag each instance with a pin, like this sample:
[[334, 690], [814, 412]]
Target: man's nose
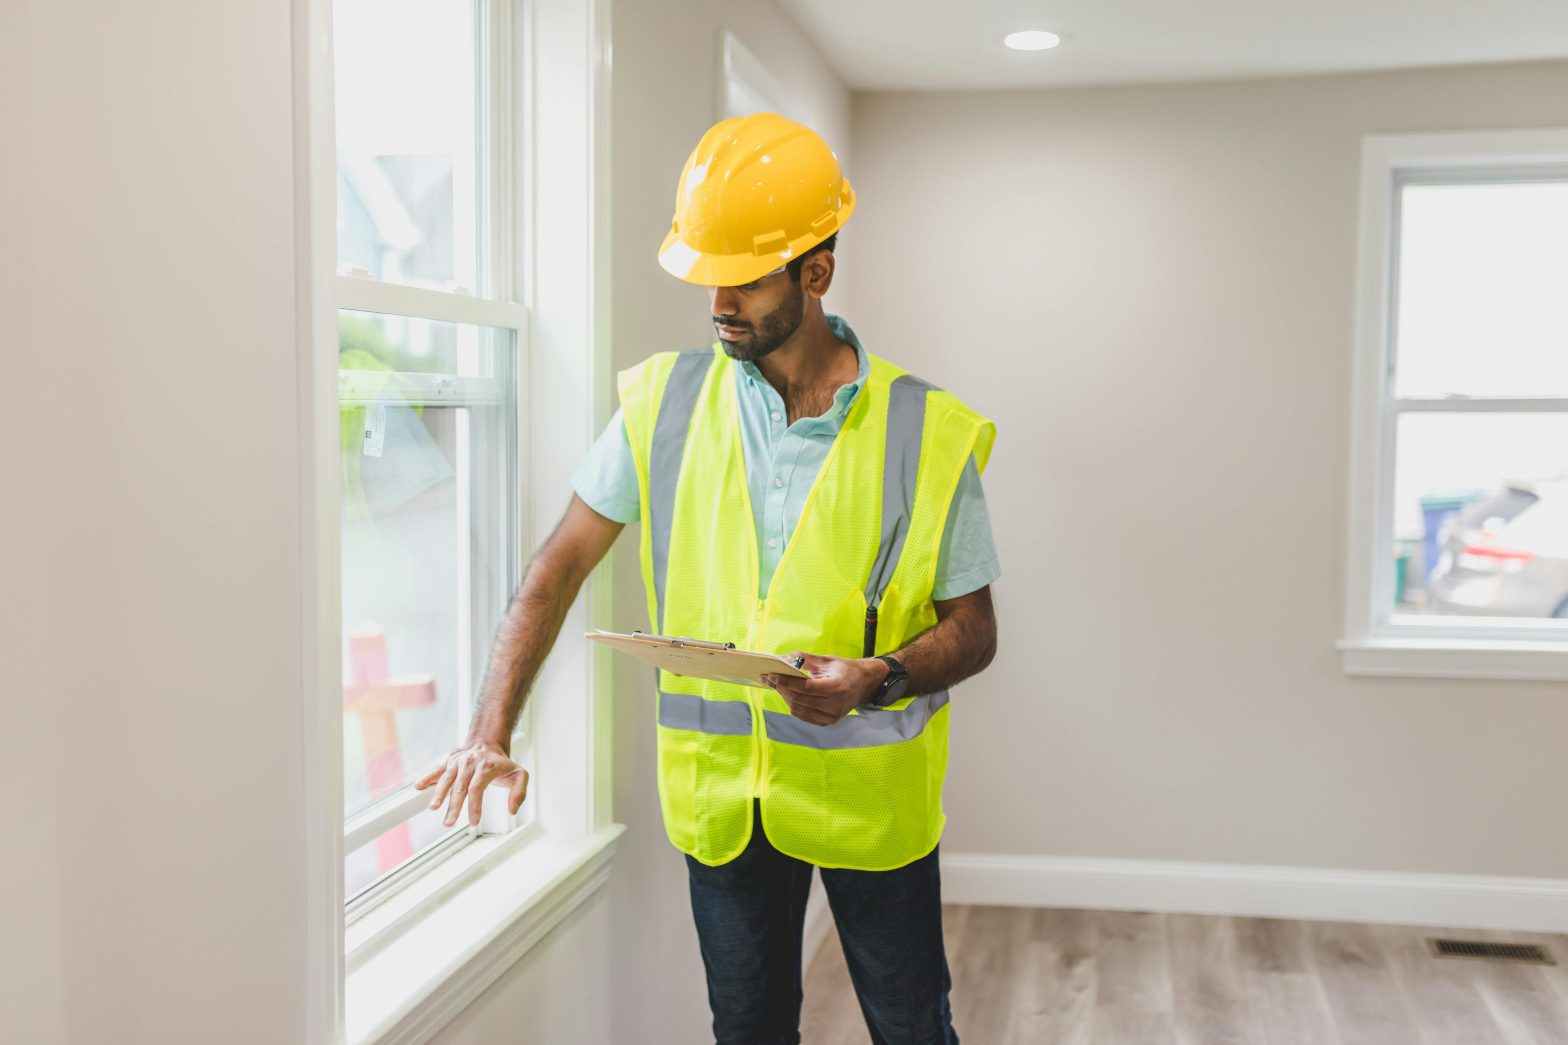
[[723, 301]]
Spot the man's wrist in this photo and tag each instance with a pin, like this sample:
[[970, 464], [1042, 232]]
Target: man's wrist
[[875, 670], [891, 682], [503, 746]]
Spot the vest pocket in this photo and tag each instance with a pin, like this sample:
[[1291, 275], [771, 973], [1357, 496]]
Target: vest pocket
[[705, 791], [870, 808]]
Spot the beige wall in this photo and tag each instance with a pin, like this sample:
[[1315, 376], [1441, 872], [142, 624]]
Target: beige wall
[[1151, 290], [31, 973]]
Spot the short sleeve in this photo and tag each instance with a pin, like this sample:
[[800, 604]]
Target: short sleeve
[[966, 560], [606, 479]]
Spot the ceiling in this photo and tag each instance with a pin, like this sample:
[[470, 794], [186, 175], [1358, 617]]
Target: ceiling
[[957, 44]]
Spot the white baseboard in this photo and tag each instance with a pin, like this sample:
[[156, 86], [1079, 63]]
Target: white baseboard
[[1306, 893]]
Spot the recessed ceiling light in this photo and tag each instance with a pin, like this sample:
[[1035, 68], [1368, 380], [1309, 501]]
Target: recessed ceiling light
[[1031, 40]]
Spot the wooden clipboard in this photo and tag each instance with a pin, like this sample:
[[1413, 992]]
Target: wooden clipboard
[[679, 655]]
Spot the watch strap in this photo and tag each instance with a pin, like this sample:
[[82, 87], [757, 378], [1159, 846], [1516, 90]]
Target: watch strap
[[893, 685]]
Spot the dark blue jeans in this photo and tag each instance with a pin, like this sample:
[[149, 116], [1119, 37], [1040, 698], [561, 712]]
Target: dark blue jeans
[[750, 914]]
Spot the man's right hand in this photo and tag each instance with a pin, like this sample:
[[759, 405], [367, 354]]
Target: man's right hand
[[554, 575], [467, 772]]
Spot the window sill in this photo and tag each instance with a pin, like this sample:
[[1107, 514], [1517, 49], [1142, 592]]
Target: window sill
[[1468, 658], [493, 900]]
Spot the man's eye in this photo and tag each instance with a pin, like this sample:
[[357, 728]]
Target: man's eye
[[753, 285]]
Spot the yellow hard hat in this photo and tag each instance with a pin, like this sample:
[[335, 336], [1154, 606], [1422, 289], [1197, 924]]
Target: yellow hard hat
[[756, 192]]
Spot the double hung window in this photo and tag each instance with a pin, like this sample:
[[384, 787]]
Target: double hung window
[[430, 349], [1460, 501]]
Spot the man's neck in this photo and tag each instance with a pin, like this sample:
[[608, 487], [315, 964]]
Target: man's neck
[[812, 358]]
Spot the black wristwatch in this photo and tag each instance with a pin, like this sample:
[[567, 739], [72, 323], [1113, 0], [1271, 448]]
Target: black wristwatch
[[893, 686]]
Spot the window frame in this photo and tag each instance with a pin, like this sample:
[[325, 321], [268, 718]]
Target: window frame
[[409, 962], [492, 303], [1378, 641]]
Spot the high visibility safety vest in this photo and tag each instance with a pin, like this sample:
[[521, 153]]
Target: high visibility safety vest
[[865, 792]]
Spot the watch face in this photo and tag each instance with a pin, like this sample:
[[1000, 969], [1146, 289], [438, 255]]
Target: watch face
[[896, 684]]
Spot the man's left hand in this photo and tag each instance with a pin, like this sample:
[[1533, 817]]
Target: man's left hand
[[836, 685]]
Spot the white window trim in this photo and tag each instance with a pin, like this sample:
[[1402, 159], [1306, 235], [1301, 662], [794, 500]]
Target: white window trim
[[1378, 641], [430, 948], [495, 899]]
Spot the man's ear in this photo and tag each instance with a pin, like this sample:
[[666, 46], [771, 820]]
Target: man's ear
[[816, 275]]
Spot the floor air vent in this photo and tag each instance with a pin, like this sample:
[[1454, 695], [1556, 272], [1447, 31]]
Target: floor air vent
[[1531, 953]]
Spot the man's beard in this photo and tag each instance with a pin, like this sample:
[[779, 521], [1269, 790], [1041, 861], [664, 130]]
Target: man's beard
[[773, 330]]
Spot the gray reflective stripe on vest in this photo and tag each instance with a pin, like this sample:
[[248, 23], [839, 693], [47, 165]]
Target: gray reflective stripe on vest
[[727, 718], [906, 422], [873, 727], [664, 458]]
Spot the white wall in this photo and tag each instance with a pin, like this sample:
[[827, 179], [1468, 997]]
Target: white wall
[[155, 814], [1151, 291], [152, 887]]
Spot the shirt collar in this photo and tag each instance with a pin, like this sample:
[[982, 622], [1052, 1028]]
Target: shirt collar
[[846, 393]]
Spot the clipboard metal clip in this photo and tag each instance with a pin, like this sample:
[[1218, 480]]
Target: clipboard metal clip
[[681, 640]]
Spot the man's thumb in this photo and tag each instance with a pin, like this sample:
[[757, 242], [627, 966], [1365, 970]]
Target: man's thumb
[[518, 790]]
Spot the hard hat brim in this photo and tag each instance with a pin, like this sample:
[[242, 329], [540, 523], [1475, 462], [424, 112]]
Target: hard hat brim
[[732, 270]]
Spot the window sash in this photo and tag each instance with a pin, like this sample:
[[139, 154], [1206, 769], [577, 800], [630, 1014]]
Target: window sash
[[400, 807], [403, 805], [364, 294], [452, 392], [1460, 404]]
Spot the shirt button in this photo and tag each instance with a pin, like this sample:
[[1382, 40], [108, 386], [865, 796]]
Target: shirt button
[[777, 481], [773, 542], [776, 416]]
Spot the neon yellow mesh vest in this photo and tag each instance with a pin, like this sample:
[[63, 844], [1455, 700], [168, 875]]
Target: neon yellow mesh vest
[[865, 792]]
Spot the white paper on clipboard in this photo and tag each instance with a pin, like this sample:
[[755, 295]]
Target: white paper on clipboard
[[707, 660]]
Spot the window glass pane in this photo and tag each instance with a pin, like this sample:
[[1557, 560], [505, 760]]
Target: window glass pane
[[407, 140], [374, 859], [1482, 309], [371, 342], [1481, 514], [427, 438]]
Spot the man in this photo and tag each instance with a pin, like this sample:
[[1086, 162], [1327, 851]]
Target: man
[[798, 496]]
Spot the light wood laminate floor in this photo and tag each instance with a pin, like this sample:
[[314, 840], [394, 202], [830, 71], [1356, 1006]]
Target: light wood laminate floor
[[1048, 976]]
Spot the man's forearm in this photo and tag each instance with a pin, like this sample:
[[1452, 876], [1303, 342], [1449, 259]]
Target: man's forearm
[[959, 645], [532, 622]]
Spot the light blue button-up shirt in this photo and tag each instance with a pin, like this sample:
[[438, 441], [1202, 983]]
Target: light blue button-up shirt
[[782, 462]]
